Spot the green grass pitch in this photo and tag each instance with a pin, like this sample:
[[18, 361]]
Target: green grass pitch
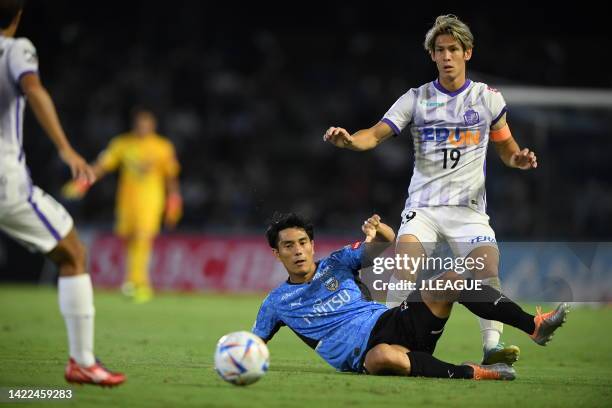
[[166, 348]]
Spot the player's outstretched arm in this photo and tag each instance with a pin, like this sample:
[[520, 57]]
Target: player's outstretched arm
[[364, 139], [508, 150], [42, 105]]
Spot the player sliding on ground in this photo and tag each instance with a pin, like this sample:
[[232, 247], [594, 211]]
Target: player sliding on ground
[[331, 310]]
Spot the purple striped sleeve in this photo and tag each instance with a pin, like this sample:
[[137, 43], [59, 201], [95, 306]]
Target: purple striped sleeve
[[504, 110], [395, 129], [28, 71]]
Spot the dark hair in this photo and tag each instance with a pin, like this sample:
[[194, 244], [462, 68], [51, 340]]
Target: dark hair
[[280, 221], [8, 11]]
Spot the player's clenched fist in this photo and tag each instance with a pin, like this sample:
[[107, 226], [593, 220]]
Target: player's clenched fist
[[370, 227], [338, 137]]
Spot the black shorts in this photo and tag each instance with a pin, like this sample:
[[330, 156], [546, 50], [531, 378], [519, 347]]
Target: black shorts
[[411, 325]]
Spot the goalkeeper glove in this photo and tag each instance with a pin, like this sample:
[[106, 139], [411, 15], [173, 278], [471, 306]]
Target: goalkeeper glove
[[174, 210]]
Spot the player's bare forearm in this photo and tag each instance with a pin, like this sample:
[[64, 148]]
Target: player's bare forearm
[[384, 233], [42, 105], [370, 138], [513, 156], [506, 149], [362, 140]]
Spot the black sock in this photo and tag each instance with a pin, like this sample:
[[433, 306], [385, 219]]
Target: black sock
[[425, 365], [491, 304]]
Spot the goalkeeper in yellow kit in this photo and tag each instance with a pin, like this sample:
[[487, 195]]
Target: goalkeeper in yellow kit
[[148, 190]]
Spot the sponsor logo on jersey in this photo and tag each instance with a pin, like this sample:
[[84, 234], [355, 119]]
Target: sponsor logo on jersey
[[332, 284], [457, 137], [471, 117], [482, 238], [432, 104], [287, 295], [321, 308]]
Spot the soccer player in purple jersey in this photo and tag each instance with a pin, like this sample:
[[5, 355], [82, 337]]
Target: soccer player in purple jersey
[[451, 121], [32, 217]]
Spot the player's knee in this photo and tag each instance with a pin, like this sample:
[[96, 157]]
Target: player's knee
[[486, 263], [76, 252], [383, 360], [70, 255], [376, 359], [80, 253]]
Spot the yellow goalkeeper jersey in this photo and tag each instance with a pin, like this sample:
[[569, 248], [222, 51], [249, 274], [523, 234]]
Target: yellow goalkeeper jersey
[[144, 162]]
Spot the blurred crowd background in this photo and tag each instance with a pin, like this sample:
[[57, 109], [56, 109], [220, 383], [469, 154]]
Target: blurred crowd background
[[246, 92]]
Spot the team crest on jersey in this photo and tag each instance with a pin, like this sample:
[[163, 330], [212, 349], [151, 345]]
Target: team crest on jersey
[[30, 56], [332, 284], [471, 117]]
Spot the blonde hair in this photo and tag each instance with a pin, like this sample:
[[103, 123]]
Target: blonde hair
[[451, 25]]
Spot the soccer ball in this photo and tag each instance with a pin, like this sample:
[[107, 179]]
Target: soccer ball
[[241, 358]]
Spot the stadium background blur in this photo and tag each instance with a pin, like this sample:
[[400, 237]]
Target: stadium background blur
[[245, 92]]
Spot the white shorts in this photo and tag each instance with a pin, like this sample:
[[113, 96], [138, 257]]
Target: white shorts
[[39, 222], [463, 229]]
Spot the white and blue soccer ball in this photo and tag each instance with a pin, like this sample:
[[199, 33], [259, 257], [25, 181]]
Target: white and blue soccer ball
[[241, 358]]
